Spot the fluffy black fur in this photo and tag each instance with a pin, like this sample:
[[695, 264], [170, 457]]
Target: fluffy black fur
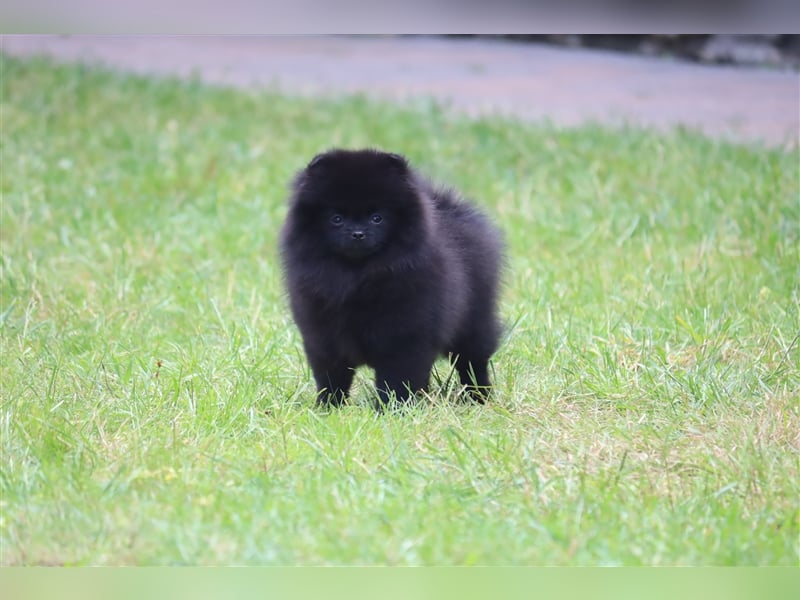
[[384, 270]]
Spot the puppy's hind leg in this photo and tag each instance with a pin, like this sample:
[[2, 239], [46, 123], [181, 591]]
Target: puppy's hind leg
[[474, 375]]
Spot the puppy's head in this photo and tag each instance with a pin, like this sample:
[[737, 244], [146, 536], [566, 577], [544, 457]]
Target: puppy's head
[[360, 203]]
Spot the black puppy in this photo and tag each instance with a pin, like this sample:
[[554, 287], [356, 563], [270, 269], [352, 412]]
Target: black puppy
[[384, 270]]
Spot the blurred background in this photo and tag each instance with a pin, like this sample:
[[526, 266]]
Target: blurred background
[[739, 87]]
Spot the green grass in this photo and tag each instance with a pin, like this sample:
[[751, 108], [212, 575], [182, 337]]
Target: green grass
[[157, 409]]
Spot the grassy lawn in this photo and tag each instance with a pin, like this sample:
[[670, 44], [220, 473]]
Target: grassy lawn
[[157, 408]]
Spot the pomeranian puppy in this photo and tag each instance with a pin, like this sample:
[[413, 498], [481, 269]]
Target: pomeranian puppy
[[385, 270]]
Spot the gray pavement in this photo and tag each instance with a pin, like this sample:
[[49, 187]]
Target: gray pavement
[[477, 76]]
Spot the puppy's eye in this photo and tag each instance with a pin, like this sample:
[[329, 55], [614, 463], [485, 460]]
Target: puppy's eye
[[376, 218], [337, 220]]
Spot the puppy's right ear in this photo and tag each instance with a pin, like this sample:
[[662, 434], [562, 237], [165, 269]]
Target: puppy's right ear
[[319, 160], [315, 161]]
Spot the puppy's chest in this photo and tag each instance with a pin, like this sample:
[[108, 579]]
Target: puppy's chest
[[375, 295], [371, 307], [370, 316]]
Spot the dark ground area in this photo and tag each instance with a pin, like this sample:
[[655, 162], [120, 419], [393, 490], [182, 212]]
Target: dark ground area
[[532, 80]]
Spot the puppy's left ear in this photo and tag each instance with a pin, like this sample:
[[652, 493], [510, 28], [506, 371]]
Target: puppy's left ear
[[397, 161]]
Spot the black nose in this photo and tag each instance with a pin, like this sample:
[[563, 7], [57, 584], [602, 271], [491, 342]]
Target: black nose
[[357, 235]]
